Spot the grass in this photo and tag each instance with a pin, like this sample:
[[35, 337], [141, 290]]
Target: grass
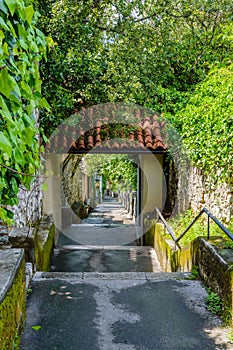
[[180, 223]]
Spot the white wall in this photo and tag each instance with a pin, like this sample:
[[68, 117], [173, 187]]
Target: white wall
[[152, 181], [52, 196]]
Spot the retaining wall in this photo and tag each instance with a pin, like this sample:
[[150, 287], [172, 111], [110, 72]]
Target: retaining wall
[[29, 209], [12, 296], [38, 243], [216, 273], [189, 187]]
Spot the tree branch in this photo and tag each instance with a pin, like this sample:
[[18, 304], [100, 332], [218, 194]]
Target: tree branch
[[17, 172]]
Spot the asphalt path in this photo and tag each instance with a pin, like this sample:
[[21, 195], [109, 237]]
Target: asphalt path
[[86, 302], [118, 312]]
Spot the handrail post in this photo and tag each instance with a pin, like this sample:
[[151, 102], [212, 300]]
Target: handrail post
[[208, 228]]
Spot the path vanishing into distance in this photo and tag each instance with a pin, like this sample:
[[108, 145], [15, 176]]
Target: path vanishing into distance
[[106, 293]]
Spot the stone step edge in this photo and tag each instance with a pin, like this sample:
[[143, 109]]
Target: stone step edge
[[112, 225], [103, 247], [76, 276]]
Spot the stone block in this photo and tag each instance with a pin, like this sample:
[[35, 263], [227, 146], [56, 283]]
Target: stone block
[[24, 238]]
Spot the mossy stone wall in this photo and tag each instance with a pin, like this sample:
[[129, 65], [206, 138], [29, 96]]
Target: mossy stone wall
[[12, 301], [155, 238], [215, 272], [213, 269], [44, 244], [38, 243]]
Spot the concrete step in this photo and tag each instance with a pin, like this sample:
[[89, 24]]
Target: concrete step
[[99, 234], [92, 258], [102, 221], [147, 276]]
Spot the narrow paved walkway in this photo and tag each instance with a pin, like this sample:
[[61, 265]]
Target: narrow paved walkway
[[105, 296], [104, 242], [108, 224]]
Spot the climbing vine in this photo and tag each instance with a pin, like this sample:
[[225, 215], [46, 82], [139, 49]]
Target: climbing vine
[[22, 46], [206, 124]]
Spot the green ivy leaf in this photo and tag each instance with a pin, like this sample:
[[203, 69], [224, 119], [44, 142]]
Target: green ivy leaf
[[3, 7], [11, 5], [8, 85], [29, 13], [3, 24], [19, 83], [5, 144]]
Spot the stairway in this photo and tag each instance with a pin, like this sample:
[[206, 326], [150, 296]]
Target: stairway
[[103, 242], [109, 296]]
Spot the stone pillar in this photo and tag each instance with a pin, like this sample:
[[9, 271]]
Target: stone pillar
[[152, 181], [52, 195]]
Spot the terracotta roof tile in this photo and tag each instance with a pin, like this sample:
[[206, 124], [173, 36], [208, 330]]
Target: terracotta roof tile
[[96, 134]]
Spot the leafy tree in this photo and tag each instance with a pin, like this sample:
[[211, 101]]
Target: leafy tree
[[119, 170], [149, 53], [171, 56], [22, 46]]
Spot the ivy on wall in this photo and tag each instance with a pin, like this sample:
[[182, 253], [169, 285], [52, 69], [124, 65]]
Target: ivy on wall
[[206, 124], [22, 46]]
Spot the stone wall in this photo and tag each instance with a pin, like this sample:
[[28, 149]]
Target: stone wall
[[27, 213], [12, 296], [74, 190], [189, 187], [216, 272], [29, 209], [71, 180], [212, 194]]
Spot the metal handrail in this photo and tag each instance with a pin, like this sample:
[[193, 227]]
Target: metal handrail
[[204, 210], [159, 214]]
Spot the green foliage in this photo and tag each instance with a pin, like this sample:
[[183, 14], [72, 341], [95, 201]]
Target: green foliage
[[118, 170], [22, 46], [194, 273], [214, 303], [180, 222], [171, 56], [149, 53], [207, 124]]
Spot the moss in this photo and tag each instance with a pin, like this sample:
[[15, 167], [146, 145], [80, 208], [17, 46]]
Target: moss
[[149, 237], [12, 311], [44, 243], [171, 259]]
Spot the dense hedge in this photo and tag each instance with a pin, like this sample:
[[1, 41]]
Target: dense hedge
[[22, 46], [206, 124]]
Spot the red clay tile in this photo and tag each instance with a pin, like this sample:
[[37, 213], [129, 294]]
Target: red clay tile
[[100, 133]]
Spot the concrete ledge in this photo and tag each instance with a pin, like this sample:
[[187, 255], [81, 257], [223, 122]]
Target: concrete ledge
[[38, 243], [12, 296], [23, 238], [105, 247], [10, 262], [44, 244]]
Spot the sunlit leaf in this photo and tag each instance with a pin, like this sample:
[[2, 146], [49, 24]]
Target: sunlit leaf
[[36, 328]]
